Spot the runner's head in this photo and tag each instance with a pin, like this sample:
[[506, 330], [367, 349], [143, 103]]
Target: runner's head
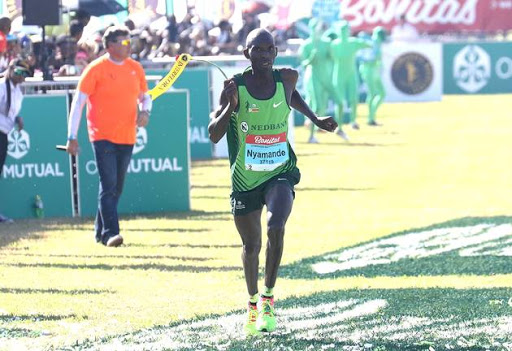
[[260, 49]]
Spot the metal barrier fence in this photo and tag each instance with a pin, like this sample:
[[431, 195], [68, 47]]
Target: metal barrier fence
[[158, 173]]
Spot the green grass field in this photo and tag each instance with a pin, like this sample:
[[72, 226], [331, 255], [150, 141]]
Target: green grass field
[[398, 240]]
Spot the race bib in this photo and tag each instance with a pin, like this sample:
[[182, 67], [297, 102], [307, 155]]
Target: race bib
[[265, 152]]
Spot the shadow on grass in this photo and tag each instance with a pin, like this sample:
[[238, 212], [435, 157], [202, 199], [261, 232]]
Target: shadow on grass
[[54, 291], [145, 267], [467, 246], [194, 215], [13, 333], [211, 197], [35, 228], [34, 317], [168, 230], [194, 246], [356, 320], [227, 187], [11, 252]]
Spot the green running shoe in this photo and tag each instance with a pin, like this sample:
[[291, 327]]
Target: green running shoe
[[266, 316], [252, 316]]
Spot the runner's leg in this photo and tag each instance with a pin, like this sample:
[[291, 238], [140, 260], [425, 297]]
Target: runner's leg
[[279, 200], [249, 228]]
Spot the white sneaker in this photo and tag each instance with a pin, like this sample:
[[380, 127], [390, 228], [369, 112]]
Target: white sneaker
[[313, 140], [342, 134]]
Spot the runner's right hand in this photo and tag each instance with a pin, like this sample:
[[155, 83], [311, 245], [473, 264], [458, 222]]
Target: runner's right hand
[[230, 92]]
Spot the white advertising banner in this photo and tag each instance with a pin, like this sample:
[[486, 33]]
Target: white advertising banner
[[412, 72]]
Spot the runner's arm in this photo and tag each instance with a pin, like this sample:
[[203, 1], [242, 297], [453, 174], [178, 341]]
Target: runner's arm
[[219, 119], [298, 103]]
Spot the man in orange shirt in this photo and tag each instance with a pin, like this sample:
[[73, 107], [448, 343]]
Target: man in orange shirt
[[116, 92], [5, 28]]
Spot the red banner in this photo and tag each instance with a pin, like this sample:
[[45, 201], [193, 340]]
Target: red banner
[[430, 16]]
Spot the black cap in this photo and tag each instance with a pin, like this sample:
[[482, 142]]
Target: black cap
[[22, 64]]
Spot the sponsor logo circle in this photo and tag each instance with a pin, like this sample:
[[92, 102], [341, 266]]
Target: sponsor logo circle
[[244, 127], [412, 73], [472, 68], [18, 143]]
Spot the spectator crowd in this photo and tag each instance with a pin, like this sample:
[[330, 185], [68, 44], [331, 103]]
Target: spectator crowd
[[67, 51]]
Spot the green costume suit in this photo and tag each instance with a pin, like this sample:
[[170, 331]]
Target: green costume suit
[[315, 56], [345, 78], [371, 72]]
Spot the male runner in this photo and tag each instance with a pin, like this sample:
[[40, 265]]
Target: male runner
[[254, 108]]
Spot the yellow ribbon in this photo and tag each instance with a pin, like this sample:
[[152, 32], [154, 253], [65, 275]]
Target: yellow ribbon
[[171, 77]]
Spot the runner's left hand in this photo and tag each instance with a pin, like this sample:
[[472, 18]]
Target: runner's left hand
[[326, 123]]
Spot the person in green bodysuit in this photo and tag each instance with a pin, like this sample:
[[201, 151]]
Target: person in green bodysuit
[[316, 58], [253, 111], [345, 79], [371, 71]]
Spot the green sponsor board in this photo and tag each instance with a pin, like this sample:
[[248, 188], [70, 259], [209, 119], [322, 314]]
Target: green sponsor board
[[33, 166], [197, 81], [158, 174], [477, 68]]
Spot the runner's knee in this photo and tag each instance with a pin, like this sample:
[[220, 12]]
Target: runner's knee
[[252, 250], [276, 234]]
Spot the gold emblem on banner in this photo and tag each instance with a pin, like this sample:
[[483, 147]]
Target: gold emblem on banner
[[412, 73]]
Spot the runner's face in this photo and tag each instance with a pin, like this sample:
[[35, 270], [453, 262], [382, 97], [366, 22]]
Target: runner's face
[[120, 49], [262, 53]]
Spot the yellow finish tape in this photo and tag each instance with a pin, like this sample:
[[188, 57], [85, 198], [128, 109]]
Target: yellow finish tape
[[171, 77]]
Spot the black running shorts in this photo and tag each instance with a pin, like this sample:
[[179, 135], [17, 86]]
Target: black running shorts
[[244, 202]]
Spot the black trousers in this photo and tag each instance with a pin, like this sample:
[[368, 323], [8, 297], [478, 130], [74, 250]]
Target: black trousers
[[3, 150]]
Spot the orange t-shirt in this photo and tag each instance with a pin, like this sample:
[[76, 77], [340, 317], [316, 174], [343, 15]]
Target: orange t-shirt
[[113, 91], [3, 42]]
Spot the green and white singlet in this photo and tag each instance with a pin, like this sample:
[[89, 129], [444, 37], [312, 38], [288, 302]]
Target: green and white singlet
[[258, 137]]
